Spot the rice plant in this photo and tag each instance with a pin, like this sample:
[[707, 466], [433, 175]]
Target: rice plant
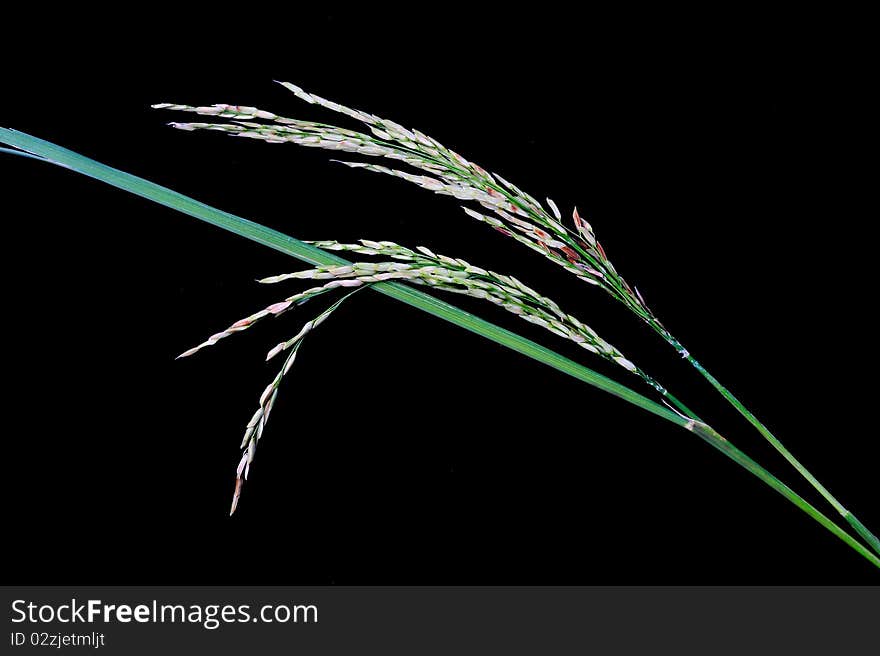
[[514, 213], [505, 207], [420, 267]]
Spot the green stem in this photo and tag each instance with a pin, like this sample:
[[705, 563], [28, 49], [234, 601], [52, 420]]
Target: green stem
[[307, 253], [681, 406], [712, 437], [21, 153], [860, 528]]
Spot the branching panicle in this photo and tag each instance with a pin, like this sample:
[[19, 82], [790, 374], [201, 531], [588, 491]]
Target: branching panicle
[[516, 213], [254, 430], [508, 210]]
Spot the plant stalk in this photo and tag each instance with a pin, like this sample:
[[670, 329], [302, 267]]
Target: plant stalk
[[54, 154], [853, 521]]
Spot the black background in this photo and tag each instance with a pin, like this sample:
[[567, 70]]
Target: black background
[[721, 162]]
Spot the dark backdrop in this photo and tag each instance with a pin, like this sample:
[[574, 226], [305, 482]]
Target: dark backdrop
[[720, 164]]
